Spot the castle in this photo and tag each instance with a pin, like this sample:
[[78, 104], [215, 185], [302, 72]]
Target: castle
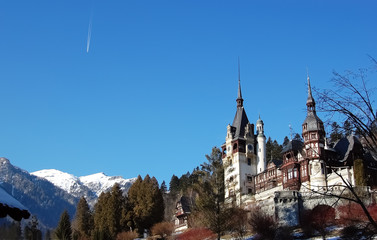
[[284, 187]]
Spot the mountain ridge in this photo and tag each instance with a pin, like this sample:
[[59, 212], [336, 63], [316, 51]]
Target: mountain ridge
[[47, 193]]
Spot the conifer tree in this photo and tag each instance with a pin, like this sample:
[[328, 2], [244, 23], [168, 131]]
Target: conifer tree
[[83, 223], [146, 202], [64, 231], [31, 231], [174, 185], [163, 187], [114, 210], [210, 207]]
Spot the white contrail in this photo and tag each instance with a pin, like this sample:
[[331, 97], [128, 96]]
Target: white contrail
[[89, 33]]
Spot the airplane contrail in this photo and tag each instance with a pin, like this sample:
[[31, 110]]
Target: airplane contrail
[[89, 33]]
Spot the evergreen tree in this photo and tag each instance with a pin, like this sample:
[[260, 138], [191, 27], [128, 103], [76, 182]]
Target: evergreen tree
[[297, 137], [336, 133], [64, 231], [273, 149], [286, 141], [210, 205], [174, 185], [31, 231], [83, 223], [114, 210], [163, 187], [146, 202]]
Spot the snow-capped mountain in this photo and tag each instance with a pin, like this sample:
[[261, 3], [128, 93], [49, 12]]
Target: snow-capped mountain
[[90, 186], [47, 193], [39, 196], [100, 182]]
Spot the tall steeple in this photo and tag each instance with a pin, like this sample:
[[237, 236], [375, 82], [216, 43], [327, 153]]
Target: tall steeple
[[310, 103], [239, 96]]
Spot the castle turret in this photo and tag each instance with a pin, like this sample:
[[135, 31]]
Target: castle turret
[[239, 154], [313, 133], [261, 147]]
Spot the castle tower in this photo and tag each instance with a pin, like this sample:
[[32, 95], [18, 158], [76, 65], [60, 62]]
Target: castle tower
[[313, 133], [261, 147], [239, 154]]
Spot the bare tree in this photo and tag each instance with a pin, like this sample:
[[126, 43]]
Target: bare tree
[[351, 99], [347, 191]]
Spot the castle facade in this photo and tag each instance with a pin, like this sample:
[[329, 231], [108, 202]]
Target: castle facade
[[284, 186]]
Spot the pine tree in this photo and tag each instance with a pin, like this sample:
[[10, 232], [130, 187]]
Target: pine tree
[[163, 187], [114, 210], [174, 185], [31, 231], [210, 207], [64, 231], [336, 133], [101, 230], [285, 141], [83, 223], [146, 202]]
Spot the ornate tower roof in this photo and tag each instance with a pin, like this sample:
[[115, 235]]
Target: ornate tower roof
[[310, 103], [240, 120], [312, 121]]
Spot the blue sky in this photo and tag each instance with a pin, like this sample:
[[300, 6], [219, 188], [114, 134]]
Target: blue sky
[[157, 87]]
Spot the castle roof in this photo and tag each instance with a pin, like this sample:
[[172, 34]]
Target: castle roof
[[240, 120], [313, 122], [348, 146], [293, 145]]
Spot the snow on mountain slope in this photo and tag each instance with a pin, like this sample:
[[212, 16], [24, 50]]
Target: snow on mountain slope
[[90, 186], [63, 180], [100, 182]]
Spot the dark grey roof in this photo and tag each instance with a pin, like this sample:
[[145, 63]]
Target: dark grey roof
[[345, 145], [240, 121], [295, 145], [185, 204], [276, 162], [310, 100], [313, 121]]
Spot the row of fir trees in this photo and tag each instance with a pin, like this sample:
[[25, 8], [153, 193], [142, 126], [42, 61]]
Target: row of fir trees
[[115, 213], [147, 203]]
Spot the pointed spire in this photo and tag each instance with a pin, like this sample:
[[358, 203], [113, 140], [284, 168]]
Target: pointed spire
[[239, 96], [310, 103]]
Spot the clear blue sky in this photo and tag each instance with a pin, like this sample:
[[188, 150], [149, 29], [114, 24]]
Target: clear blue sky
[[157, 87]]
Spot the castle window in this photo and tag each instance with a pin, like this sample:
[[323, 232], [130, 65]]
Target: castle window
[[303, 171], [290, 173], [249, 191], [249, 179], [313, 136], [249, 161], [231, 179], [235, 147]]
